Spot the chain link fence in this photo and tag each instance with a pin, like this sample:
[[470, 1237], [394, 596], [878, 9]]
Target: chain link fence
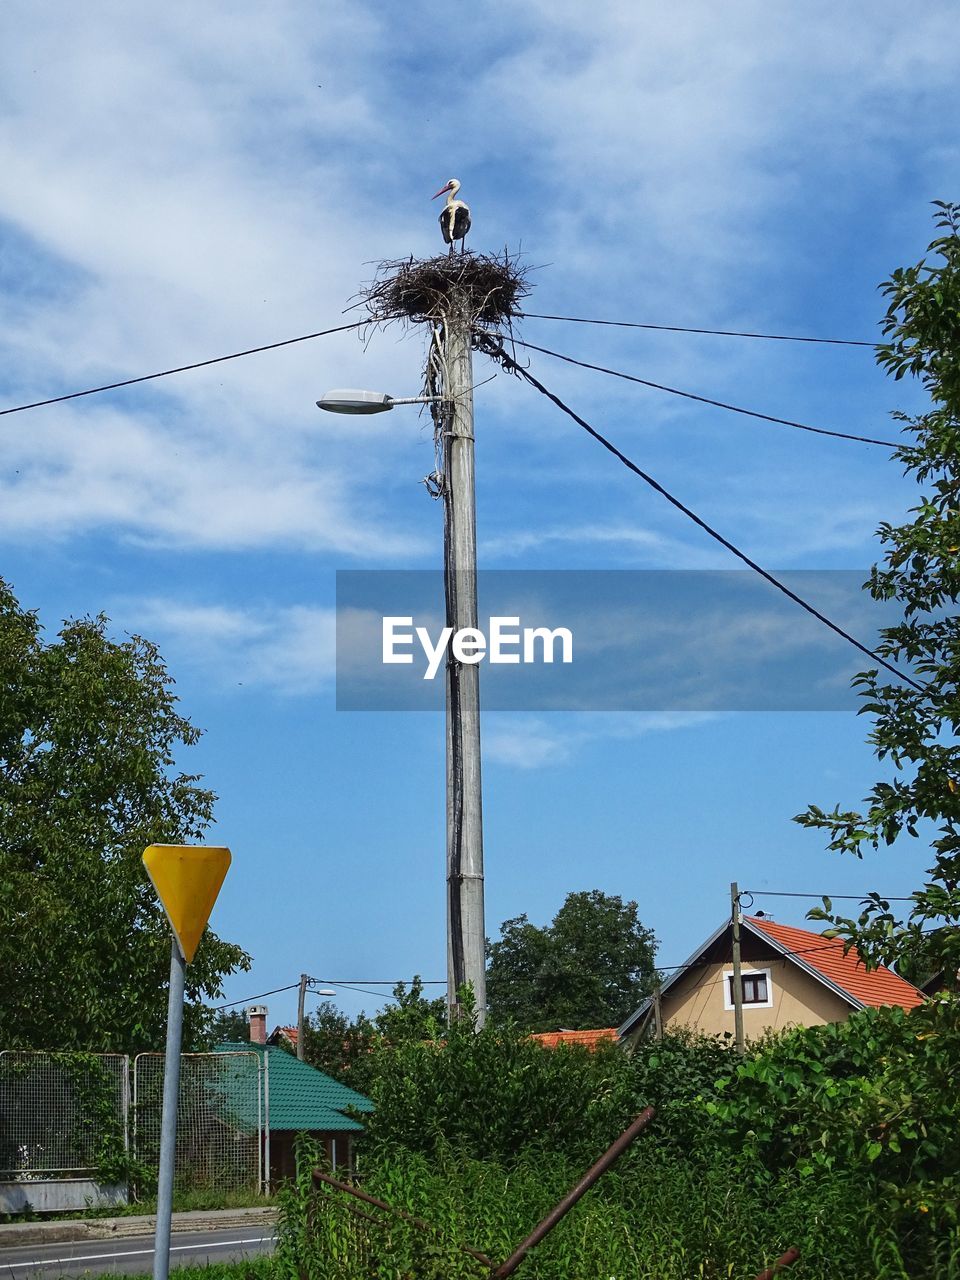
[[69, 1117], [220, 1119], [62, 1115]]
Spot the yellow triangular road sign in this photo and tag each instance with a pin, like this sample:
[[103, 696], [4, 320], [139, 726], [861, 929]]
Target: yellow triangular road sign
[[187, 879]]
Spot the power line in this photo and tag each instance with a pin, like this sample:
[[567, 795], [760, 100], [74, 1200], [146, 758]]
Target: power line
[[722, 333], [183, 368], [496, 350], [247, 999], [380, 982], [834, 897], [719, 404], [373, 982], [826, 945], [380, 995]]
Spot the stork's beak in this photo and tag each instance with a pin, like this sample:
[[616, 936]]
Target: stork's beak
[[445, 187]]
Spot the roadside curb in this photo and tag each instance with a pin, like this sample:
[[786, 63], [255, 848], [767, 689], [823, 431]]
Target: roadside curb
[[78, 1229]]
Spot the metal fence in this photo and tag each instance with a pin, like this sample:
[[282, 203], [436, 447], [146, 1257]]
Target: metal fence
[[74, 1116], [62, 1115], [220, 1118]]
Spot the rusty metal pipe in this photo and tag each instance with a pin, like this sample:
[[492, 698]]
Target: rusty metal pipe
[[785, 1260], [320, 1176], [560, 1210]]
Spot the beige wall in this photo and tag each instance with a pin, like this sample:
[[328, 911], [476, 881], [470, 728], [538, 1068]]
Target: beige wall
[[696, 1000]]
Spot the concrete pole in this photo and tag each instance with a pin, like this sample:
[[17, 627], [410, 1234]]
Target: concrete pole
[[466, 940], [168, 1123], [737, 979]]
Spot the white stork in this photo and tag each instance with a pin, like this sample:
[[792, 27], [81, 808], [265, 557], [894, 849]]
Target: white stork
[[455, 217]]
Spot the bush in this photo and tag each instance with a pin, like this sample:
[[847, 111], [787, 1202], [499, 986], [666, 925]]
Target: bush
[[875, 1096], [496, 1094]]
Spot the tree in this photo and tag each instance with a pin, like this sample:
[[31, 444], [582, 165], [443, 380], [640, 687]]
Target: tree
[[356, 1051], [916, 721], [411, 1016], [226, 1026], [589, 968], [340, 1047], [88, 732]]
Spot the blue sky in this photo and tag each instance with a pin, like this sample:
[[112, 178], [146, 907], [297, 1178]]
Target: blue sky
[[188, 181]]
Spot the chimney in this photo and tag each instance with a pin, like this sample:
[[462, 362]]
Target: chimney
[[257, 1017]]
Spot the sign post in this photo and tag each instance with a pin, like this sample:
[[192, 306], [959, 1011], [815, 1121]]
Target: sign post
[[187, 879]]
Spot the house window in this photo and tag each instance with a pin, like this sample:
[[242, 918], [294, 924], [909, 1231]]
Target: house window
[[756, 985]]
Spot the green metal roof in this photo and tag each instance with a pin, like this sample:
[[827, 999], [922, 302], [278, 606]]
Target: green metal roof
[[301, 1097]]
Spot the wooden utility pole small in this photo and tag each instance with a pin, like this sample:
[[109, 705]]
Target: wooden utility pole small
[[737, 976], [304, 979], [466, 940], [657, 1014]]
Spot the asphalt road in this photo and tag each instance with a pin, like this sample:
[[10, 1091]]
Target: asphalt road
[[133, 1254]]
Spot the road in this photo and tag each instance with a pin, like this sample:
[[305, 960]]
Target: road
[[131, 1254]]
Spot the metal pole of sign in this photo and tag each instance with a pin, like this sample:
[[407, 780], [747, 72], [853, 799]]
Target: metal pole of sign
[[260, 1184], [266, 1118], [187, 879], [168, 1124]]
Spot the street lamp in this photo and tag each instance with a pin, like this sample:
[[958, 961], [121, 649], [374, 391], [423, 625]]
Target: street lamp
[[323, 991], [366, 402]]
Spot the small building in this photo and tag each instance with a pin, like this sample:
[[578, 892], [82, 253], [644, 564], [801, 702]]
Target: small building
[[789, 977], [297, 1098]]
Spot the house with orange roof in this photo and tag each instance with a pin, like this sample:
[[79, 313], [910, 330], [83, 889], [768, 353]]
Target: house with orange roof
[[789, 977], [284, 1037], [586, 1039]]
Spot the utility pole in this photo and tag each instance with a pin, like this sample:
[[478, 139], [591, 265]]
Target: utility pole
[[301, 1001], [466, 938], [737, 978], [657, 1014]]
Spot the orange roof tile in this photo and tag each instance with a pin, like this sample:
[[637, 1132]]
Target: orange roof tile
[[873, 987], [589, 1039]]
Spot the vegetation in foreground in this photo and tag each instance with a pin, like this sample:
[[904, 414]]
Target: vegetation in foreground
[[253, 1269], [838, 1140], [655, 1216]]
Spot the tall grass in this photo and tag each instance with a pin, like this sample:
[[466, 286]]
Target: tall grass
[[653, 1217], [249, 1269]]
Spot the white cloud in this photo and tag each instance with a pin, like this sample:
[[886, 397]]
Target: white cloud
[[632, 540], [288, 650], [181, 186], [524, 741]]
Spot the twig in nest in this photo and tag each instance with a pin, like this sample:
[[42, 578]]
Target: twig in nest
[[487, 288]]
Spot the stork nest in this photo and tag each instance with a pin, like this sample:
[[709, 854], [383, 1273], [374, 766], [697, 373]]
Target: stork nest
[[486, 287]]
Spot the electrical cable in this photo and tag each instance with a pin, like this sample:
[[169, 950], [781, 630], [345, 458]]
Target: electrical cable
[[834, 897], [431, 982], [183, 368], [379, 982], [247, 1000], [347, 986], [492, 348], [719, 404], [722, 333], [827, 945]]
